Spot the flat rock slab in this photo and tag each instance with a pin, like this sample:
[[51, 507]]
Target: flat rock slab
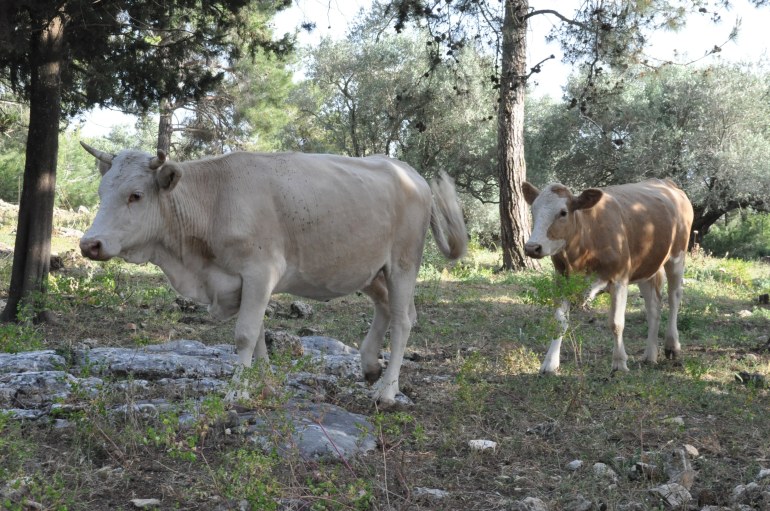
[[43, 384], [319, 430], [46, 360], [175, 359]]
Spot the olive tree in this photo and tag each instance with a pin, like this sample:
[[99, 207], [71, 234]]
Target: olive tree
[[704, 128]]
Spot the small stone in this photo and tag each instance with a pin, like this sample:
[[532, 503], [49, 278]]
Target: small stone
[[673, 495], [430, 493], [691, 451], [744, 313], [278, 341], [647, 471], [544, 429], [529, 504], [747, 494], [145, 503], [574, 465], [763, 474], [603, 470], [677, 421], [300, 310], [482, 445], [578, 503]]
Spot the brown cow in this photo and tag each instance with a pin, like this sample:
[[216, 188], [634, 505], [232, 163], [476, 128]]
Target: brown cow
[[618, 235]]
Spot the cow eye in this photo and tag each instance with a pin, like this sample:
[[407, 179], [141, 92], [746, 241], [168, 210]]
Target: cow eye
[[563, 212], [134, 197]]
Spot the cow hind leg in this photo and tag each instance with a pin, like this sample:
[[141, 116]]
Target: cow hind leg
[[651, 291], [675, 275], [370, 348], [617, 321], [401, 284]]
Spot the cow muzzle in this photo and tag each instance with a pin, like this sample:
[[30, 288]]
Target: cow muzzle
[[534, 250], [92, 249]]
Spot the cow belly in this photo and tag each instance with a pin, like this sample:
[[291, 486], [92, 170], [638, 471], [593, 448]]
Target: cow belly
[[326, 287]]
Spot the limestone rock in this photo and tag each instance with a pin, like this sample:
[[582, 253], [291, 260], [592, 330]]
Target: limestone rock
[[31, 361], [430, 493], [300, 310], [603, 470], [319, 430], [672, 495], [574, 465], [529, 504], [578, 503]]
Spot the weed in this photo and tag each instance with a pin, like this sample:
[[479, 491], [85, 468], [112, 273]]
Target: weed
[[24, 335], [250, 475]]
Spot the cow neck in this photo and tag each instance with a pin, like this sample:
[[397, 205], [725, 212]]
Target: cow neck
[[186, 219], [574, 248]]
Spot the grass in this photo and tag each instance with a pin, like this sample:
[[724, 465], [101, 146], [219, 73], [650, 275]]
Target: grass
[[476, 351]]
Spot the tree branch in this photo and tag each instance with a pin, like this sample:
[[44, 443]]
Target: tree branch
[[559, 15]]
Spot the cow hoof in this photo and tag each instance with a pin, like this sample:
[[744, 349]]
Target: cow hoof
[[672, 354], [371, 377], [385, 395]]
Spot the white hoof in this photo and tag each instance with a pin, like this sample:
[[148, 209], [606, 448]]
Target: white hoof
[[651, 356], [619, 365], [550, 366], [384, 394]]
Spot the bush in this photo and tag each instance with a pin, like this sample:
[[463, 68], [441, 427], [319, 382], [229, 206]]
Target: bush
[[745, 236], [482, 220]]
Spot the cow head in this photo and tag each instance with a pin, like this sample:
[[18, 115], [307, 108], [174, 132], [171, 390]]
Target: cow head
[[130, 193], [553, 212]]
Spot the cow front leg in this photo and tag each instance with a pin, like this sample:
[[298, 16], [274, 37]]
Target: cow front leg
[[651, 292], [552, 358], [675, 276], [617, 321], [249, 334]]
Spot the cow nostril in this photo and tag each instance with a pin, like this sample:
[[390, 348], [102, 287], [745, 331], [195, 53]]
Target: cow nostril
[[91, 248], [533, 249]]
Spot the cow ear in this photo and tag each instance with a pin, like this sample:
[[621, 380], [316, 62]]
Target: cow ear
[[530, 192], [168, 176], [587, 199]]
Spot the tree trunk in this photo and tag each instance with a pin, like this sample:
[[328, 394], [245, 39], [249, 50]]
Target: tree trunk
[[165, 126], [512, 169], [32, 253]]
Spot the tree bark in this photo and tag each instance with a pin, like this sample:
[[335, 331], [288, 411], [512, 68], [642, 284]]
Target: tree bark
[[32, 253], [165, 126], [512, 168]]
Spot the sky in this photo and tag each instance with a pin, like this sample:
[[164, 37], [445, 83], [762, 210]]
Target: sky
[[700, 35]]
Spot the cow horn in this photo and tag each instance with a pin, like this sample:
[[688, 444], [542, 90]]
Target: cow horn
[[159, 160], [99, 155]]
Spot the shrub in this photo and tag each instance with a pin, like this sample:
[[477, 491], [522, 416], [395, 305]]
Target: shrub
[[745, 236]]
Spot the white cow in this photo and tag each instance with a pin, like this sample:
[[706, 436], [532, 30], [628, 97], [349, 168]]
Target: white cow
[[229, 231]]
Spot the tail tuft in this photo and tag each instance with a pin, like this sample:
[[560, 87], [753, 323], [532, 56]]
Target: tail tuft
[[446, 219]]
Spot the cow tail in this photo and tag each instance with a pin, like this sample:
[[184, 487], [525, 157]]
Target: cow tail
[[446, 218]]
